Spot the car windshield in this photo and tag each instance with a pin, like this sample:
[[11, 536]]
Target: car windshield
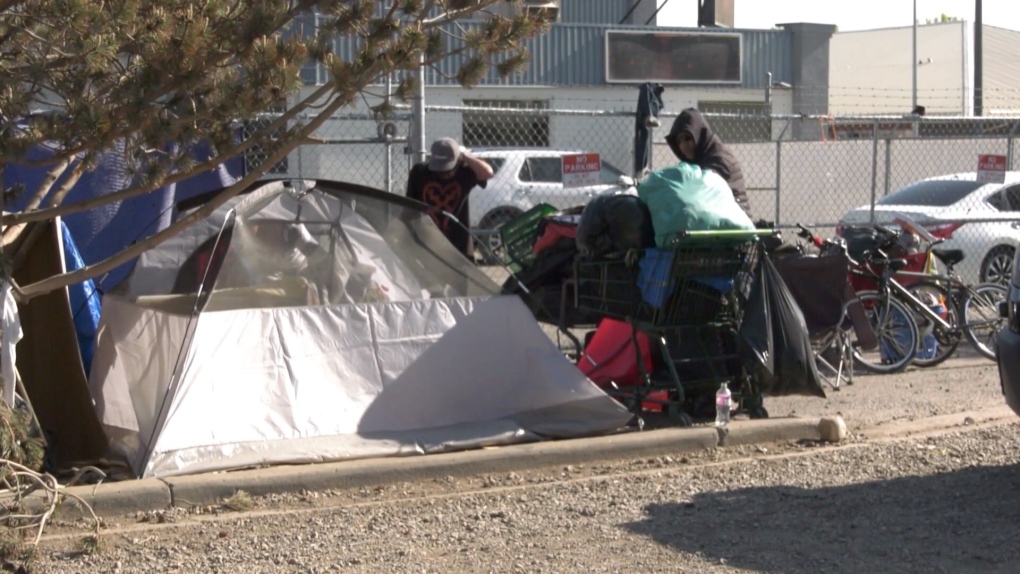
[[610, 174], [934, 193]]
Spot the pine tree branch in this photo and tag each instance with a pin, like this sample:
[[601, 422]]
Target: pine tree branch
[[47, 182], [87, 204], [91, 271]]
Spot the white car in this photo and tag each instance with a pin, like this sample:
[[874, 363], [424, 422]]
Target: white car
[[982, 219], [525, 178]]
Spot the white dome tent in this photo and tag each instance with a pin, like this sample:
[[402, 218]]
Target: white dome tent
[[319, 321]]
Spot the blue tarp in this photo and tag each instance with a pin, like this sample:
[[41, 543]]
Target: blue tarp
[[85, 305], [106, 230]]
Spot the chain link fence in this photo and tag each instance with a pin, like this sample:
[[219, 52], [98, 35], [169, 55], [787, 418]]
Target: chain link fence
[[822, 171]]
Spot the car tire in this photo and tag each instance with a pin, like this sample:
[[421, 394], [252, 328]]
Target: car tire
[[491, 224], [998, 265]]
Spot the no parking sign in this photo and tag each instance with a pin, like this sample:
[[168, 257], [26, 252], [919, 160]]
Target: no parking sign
[[582, 169], [991, 168]]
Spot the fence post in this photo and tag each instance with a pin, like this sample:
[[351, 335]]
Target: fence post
[[874, 169], [417, 143], [888, 163], [779, 165], [388, 169], [779, 171], [1009, 146]]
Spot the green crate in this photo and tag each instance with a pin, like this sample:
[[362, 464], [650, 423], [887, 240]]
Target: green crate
[[519, 235]]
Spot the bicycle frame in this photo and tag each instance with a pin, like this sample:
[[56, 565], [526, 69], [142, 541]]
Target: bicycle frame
[[886, 282]]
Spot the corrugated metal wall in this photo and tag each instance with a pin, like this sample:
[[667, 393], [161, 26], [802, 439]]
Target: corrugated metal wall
[[574, 55], [593, 11]]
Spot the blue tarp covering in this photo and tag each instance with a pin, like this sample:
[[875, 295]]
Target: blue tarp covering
[[85, 305], [105, 230]]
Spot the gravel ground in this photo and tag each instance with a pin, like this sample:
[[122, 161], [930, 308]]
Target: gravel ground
[[961, 384], [937, 504]]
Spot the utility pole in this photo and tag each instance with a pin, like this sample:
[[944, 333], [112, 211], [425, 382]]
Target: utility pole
[[979, 57], [913, 65]]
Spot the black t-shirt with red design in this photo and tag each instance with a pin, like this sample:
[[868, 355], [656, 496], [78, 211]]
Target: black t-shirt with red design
[[448, 194]]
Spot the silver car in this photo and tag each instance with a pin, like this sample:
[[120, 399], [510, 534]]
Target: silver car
[[981, 219]]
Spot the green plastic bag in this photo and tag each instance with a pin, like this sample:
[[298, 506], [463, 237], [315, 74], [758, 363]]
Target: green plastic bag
[[685, 197]]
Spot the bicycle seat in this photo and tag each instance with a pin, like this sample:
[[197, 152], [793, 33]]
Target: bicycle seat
[[949, 256]]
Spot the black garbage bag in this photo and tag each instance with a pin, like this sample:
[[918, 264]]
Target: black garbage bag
[[773, 338], [754, 338], [615, 223], [541, 286]]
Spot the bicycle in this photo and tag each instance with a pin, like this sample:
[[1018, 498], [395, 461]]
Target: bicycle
[[891, 319], [941, 305], [969, 311]]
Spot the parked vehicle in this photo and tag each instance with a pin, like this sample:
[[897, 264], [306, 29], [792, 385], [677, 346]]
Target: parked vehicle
[[1008, 343], [525, 178], [982, 220]]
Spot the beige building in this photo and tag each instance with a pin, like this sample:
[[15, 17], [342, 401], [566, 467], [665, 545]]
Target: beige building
[[871, 71]]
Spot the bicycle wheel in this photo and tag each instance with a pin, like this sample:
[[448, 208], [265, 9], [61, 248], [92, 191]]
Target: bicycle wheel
[[935, 343], [895, 330], [981, 320]]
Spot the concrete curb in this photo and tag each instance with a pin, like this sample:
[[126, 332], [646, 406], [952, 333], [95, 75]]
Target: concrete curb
[[769, 430], [939, 423], [153, 494]]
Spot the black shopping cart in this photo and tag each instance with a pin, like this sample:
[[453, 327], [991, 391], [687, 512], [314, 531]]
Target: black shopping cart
[[689, 299], [538, 249]]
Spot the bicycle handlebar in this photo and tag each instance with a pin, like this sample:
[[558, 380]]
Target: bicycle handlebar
[[805, 233]]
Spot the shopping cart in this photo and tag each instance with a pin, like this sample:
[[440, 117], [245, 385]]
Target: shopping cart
[[518, 236], [689, 300], [538, 249]]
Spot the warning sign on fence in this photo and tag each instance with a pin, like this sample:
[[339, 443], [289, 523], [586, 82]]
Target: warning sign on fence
[[582, 169], [991, 168]]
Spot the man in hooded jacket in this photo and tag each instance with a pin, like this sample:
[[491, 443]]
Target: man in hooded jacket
[[692, 140]]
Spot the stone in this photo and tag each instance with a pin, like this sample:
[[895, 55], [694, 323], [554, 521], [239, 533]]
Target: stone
[[832, 429]]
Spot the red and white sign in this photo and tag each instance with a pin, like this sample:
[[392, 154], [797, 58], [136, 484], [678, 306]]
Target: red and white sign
[[582, 169], [991, 168]]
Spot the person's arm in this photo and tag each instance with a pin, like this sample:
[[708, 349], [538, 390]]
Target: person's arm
[[483, 171], [413, 190]]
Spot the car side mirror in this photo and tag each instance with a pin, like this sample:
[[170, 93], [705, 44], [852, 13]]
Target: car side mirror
[[625, 181]]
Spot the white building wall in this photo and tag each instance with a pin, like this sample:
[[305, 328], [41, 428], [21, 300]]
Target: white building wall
[[871, 71]]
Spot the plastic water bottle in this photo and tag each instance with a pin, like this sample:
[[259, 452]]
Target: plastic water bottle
[[723, 398]]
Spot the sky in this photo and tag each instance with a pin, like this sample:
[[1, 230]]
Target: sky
[[847, 14]]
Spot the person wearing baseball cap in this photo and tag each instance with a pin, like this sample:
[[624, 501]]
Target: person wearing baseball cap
[[443, 183]]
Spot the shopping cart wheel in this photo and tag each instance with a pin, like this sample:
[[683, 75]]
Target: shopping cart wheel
[[678, 416], [758, 413]]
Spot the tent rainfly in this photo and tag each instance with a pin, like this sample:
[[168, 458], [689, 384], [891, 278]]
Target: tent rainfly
[[309, 321]]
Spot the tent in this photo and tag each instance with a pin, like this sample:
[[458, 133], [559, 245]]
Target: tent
[[314, 321]]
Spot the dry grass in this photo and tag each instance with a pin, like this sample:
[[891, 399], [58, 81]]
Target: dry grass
[[241, 501], [22, 453], [18, 442], [91, 545]]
